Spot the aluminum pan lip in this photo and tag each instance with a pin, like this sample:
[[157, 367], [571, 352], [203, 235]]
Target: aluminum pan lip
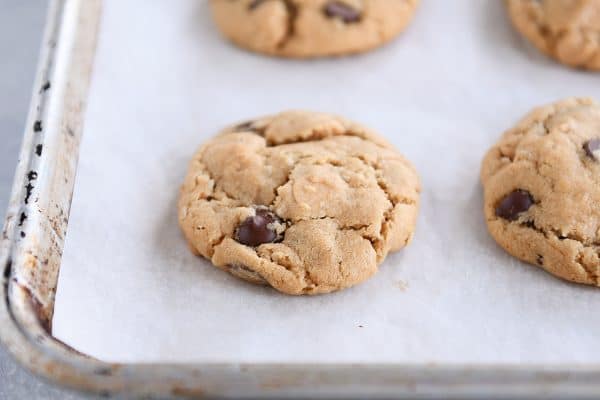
[[22, 334]]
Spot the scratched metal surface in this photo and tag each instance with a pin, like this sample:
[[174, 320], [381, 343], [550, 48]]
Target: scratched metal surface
[[21, 27]]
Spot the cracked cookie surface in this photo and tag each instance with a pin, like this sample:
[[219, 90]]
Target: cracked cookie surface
[[542, 190], [305, 202], [311, 28], [567, 30]]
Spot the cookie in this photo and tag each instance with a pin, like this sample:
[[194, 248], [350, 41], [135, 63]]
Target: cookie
[[568, 30], [304, 202], [311, 28], [542, 190]]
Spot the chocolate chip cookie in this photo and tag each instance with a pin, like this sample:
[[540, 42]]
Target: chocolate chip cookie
[[568, 30], [304, 202], [542, 190], [311, 28]]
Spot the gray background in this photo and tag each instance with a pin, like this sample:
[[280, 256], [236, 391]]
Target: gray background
[[21, 27]]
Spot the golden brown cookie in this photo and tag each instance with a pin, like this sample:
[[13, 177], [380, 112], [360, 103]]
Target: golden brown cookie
[[311, 28], [305, 202], [568, 30], [542, 190]]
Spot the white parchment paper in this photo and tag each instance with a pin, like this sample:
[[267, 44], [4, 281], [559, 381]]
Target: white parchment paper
[[164, 81]]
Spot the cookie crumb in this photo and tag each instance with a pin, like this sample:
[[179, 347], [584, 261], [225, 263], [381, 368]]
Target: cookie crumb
[[402, 285]]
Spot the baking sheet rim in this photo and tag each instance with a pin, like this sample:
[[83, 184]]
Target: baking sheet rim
[[22, 333]]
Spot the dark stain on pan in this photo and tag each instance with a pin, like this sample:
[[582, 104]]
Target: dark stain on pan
[[37, 126], [55, 224], [7, 268], [5, 231], [106, 371], [29, 188], [31, 176], [38, 149], [70, 131], [38, 308], [187, 392], [22, 218], [69, 348], [45, 86], [23, 234]]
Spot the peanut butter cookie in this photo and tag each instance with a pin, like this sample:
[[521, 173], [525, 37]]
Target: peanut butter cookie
[[304, 202], [542, 190], [567, 30], [311, 28]]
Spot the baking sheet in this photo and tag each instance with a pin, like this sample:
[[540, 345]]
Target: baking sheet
[[164, 81]]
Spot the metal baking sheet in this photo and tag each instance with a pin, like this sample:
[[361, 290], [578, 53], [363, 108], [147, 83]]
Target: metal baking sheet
[[451, 315], [453, 296]]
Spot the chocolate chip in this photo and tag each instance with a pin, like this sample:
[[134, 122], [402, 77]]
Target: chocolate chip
[[592, 149], [255, 4], [540, 259], [514, 204], [258, 229], [341, 10]]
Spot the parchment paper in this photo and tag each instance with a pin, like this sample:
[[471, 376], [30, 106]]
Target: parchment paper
[[165, 81]]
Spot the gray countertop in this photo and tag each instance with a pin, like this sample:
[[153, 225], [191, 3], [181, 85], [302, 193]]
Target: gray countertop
[[21, 27]]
